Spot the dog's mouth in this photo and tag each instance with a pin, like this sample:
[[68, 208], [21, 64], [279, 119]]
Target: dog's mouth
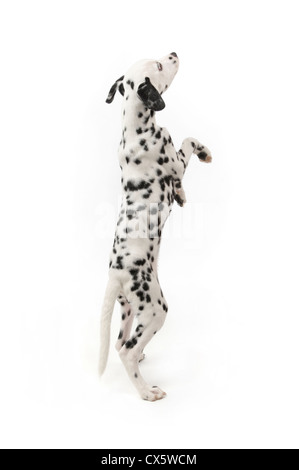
[[160, 66]]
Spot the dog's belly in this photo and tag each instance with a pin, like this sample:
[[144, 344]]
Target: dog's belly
[[138, 235], [139, 227], [148, 195]]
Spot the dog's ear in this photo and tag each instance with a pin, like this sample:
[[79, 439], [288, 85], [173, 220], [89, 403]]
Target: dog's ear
[[118, 85], [150, 96]]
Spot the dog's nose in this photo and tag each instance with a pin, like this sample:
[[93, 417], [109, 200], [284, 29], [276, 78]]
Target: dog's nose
[[174, 54]]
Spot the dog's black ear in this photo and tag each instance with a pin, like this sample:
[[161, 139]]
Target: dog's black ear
[[118, 85], [150, 96]]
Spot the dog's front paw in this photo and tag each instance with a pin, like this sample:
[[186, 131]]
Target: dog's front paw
[[153, 393], [180, 197], [203, 154]]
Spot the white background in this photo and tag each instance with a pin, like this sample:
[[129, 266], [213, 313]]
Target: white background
[[228, 353]]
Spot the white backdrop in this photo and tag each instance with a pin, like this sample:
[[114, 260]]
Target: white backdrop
[[228, 353]]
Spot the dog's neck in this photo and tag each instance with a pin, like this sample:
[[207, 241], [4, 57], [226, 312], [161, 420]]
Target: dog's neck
[[136, 119]]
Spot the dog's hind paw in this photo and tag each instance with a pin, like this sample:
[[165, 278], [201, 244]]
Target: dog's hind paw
[[153, 393]]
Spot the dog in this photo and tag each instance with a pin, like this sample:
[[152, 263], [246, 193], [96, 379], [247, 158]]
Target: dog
[[152, 173]]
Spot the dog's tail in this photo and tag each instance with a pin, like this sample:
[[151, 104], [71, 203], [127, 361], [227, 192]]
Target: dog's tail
[[112, 291]]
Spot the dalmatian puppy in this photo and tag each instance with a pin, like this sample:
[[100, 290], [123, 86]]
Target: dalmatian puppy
[[152, 173]]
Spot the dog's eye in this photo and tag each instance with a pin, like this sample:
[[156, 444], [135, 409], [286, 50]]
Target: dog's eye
[[160, 67]]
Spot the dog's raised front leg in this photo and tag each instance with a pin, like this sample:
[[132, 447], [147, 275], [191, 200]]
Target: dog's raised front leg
[[188, 147]]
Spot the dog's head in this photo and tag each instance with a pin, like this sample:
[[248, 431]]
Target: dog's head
[[147, 79]]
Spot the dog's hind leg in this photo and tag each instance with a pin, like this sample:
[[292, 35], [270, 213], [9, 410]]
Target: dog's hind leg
[[127, 317], [132, 349], [150, 320]]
